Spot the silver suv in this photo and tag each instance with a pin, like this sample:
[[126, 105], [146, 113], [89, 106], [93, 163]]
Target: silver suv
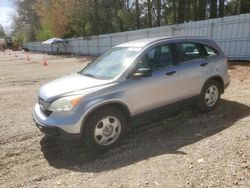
[[130, 82]]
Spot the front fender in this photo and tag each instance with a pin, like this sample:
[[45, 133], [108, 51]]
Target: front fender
[[93, 105]]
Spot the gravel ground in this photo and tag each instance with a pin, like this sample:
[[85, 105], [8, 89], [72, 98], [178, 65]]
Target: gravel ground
[[189, 149]]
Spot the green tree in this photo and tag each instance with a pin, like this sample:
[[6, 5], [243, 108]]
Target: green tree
[[181, 11], [221, 8], [26, 22], [42, 19], [244, 6], [2, 32], [213, 8], [137, 13], [54, 17], [202, 9]]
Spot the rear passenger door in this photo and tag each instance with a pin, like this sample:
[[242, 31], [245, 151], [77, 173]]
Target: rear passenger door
[[192, 68], [214, 63]]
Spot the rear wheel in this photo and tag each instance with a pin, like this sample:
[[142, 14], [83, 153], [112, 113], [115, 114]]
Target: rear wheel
[[210, 95], [104, 129]]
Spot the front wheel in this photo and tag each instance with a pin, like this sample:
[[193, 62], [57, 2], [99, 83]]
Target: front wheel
[[104, 129], [210, 95]]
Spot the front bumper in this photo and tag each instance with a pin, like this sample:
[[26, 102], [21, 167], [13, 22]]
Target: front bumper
[[57, 132], [64, 126]]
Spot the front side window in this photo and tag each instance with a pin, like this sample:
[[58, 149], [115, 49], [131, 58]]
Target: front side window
[[158, 58], [111, 64], [188, 51]]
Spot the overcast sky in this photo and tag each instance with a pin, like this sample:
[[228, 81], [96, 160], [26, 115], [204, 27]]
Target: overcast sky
[[6, 9]]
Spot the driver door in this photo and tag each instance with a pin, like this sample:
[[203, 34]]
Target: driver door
[[159, 89]]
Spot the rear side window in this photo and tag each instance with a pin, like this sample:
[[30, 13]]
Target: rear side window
[[209, 51], [188, 51]]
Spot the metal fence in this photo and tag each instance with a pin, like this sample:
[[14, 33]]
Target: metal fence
[[231, 33]]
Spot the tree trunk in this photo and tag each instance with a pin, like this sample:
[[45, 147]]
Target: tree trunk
[[149, 7], [213, 8], [127, 3], [174, 11], [120, 20], [221, 8], [181, 11], [137, 10], [165, 16], [202, 10], [96, 9], [195, 10], [188, 7], [158, 6]]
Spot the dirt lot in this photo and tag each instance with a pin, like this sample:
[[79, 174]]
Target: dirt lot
[[190, 149]]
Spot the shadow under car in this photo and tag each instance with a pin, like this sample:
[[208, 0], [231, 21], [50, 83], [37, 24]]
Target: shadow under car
[[165, 136]]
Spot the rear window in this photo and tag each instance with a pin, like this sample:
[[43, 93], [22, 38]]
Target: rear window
[[209, 51], [188, 51]]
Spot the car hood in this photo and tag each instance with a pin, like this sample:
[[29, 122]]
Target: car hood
[[68, 84]]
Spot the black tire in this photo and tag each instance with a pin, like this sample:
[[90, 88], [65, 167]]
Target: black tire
[[202, 105], [92, 122]]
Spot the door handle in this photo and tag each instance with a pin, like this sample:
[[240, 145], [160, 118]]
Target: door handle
[[203, 64], [170, 73]]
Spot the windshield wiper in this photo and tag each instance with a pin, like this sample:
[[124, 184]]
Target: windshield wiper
[[90, 75]]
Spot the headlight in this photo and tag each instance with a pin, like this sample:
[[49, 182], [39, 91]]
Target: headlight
[[64, 104]]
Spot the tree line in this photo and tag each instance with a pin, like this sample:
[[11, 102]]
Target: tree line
[[38, 20], [2, 32]]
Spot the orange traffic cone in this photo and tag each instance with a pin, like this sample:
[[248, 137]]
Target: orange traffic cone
[[45, 62], [27, 57]]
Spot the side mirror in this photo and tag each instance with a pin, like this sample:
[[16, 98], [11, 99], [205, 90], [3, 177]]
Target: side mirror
[[143, 72]]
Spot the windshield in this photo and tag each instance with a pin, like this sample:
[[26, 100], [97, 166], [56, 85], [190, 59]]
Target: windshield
[[110, 64]]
